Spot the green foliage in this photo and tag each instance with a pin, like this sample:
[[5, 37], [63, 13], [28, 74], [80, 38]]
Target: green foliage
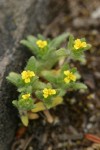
[[77, 54], [24, 118], [56, 42], [47, 76], [14, 78], [30, 42], [26, 104]]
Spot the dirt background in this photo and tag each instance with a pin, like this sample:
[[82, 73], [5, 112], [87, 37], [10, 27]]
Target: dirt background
[[81, 112]]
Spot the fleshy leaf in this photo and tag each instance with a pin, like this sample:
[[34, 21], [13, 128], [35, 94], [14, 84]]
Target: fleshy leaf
[[30, 42], [49, 76], [70, 42], [78, 86], [14, 78], [56, 42], [32, 39], [15, 103], [26, 104], [56, 101], [24, 119], [41, 37], [31, 64], [38, 107]]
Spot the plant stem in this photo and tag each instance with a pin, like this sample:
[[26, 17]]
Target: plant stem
[[33, 116], [48, 116]]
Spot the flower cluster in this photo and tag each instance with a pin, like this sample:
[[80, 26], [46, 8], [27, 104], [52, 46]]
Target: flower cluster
[[27, 75], [47, 92], [26, 96], [69, 76], [79, 44], [41, 44]]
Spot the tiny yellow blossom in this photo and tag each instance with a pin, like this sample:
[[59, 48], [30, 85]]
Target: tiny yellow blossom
[[26, 96], [67, 80], [69, 76], [41, 44], [78, 44], [84, 44], [27, 75], [67, 72], [47, 92]]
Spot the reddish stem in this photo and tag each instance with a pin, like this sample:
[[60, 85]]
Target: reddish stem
[[92, 138]]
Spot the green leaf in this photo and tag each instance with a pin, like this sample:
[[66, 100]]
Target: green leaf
[[26, 104], [38, 85], [64, 67], [15, 103], [32, 39], [88, 47], [83, 40], [70, 42], [57, 101], [78, 55], [29, 45], [49, 76], [56, 42], [62, 91], [53, 101], [24, 119], [31, 64], [35, 65], [39, 94], [25, 89], [38, 107], [41, 37], [21, 89], [30, 42], [62, 52], [78, 86], [74, 70], [15, 79]]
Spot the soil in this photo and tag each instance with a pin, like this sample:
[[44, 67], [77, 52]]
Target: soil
[[80, 112]]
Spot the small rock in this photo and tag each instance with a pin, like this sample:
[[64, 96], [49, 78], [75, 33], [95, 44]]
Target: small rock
[[72, 101], [89, 126], [30, 148], [91, 106], [92, 119], [96, 14]]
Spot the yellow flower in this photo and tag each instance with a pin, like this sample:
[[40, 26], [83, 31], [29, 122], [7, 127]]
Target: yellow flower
[[47, 92], [78, 44], [27, 75], [26, 96], [69, 76], [41, 44]]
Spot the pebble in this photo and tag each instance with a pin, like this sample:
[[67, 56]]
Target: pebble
[[72, 101], [96, 14], [92, 119], [94, 32], [30, 148], [91, 96], [91, 106], [56, 121], [89, 126]]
